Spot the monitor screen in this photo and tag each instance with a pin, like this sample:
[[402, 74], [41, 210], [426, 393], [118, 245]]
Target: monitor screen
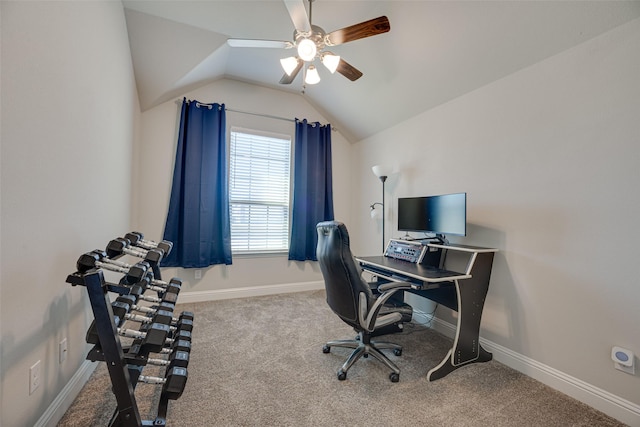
[[443, 214]]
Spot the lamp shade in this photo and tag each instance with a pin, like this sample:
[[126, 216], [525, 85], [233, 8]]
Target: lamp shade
[[289, 64], [312, 75], [380, 170], [330, 61]]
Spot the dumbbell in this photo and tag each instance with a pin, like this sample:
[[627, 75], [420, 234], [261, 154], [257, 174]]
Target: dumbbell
[[153, 339], [176, 345], [132, 300], [121, 309], [93, 259], [176, 358], [169, 295], [105, 258], [118, 247], [133, 273], [136, 275], [172, 384], [183, 323], [137, 239]]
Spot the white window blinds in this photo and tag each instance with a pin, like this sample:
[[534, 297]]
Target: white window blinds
[[259, 166]]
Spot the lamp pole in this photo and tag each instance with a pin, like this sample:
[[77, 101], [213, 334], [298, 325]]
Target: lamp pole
[[383, 178]]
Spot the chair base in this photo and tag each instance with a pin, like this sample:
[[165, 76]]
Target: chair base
[[365, 347]]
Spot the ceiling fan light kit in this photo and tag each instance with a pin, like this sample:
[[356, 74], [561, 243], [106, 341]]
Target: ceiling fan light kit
[[310, 41]]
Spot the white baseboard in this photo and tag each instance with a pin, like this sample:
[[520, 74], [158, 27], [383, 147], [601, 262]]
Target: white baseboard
[[250, 291], [65, 398], [612, 405]]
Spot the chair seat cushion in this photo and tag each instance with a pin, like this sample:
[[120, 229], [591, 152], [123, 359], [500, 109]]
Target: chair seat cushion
[[403, 308], [390, 307]]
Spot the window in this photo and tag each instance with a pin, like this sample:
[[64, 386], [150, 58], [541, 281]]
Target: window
[[259, 165]]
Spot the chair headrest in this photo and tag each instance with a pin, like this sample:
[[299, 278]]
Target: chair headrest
[[337, 228]]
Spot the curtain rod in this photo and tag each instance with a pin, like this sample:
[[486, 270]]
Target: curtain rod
[[260, 114], [269, 116]]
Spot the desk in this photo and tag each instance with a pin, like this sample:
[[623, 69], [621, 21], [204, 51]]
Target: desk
[[463, 291]]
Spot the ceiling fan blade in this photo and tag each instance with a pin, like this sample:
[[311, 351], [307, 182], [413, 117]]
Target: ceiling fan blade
[[348, 70], [298, 15], [287, 79], [369, 28], [259, 43]]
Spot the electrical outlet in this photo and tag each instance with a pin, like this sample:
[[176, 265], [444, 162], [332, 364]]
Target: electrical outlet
[[34, 377], [197, 274], [62, 350]]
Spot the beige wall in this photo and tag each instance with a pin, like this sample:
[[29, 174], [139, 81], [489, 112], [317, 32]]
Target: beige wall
[[549, 158], [69, 108], [155, 170]]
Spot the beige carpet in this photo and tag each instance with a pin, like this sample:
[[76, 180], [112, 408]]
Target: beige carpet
[[258, 362]]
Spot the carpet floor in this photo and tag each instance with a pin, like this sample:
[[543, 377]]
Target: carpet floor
[[259, 362]]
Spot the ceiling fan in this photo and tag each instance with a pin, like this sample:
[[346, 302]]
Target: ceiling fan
[[311, 42]]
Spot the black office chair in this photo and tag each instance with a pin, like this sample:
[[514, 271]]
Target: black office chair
[[350, 297]]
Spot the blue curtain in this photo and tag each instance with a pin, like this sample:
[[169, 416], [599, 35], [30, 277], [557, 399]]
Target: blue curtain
[[312, 188], [198, 218]]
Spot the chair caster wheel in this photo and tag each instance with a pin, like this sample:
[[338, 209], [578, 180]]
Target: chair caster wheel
[[394, 377], [326, 349], [342, 375], [397, 352]]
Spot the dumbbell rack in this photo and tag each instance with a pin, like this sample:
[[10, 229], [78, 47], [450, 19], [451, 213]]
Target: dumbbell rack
[[124, 366]]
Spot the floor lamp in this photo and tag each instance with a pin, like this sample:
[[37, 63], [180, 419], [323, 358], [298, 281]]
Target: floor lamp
[[382, 172]]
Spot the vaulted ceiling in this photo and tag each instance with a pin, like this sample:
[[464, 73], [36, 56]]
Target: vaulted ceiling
[[435, 51]]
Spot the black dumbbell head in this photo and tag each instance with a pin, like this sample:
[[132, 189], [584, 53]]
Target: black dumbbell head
[[120, 308], [136, 274], [181, 345], [154, 256], [115, 248], [132, 237], [127, 299], [156, 336], [185, 325], [188, 315], [178, 358], [176, 380], [165, 246], [87, 261]]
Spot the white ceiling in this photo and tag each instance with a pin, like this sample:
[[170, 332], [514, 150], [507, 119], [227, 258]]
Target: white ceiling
[[435, 51]]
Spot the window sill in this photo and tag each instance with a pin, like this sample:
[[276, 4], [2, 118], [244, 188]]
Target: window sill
[[273, 254]]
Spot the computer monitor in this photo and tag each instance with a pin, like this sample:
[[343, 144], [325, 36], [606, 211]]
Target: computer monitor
[[441, 215]]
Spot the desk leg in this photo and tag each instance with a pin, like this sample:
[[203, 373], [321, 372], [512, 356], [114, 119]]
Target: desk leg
[[466, 348]]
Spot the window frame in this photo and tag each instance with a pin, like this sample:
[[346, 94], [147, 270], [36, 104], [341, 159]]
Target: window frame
[[289, 205]]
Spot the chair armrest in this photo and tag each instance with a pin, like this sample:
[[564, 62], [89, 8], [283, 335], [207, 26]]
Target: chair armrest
[[392, 285], [370, 321]]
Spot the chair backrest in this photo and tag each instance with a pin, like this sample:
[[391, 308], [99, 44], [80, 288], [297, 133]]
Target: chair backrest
[[342, 279]]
